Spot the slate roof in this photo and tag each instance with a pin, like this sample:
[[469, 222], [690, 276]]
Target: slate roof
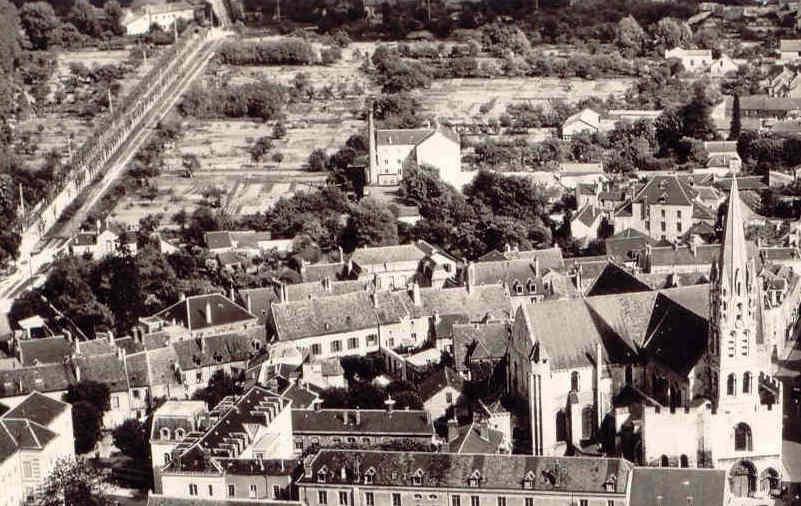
[[674, 485], [478, 302], [43, 378], [216, 350], [260, 299], [301, 291], [624, 245], [405, 137], [588, 215], [46, 350], [371, 422], [701, 212], [28, 434], [615, 280], [705, 254], [95, 347], [108, 369], [666, 190], [301, 397], [191, 312], [160, 500], [175, 415], [319, 272], [447, 470], [479, 342], [443, 327], [38, 408], [439, 379]]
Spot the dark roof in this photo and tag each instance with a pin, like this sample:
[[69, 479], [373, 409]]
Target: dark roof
[[477, 302], [679, 339], [614, 280], [218, 240], [46, 350], [85, 239], [550, 258], [588, 215], [406, 137], [191, 312], [216, 350], [471, 440], [744, 183], [38, 408], [308, 290], [626, 249], [27, 434], [673, 486], [443, 326], [524, 271], [261, 467], [371, 422], [260, 299], [439, 379], [98, 346], [479, 342], [108, 369], [327, 315], [768, 103], [704, 254], [666, 190], [301, 397], [43, 378], [448, 470], [319, 272]]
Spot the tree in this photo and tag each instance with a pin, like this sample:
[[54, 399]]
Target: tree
[[260, 148], [114, 15], [606, 229], [630, 37], [38, 20], [96, 394], [736, 122], [409, 400], [73, 482], [370, 224], [279, 130], [317, 160], [86, 425], [221, 385], [82, 16], [9, 43], [131, 439], [669, 33]]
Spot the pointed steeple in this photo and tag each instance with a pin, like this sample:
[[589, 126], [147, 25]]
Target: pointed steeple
[[733, 255]]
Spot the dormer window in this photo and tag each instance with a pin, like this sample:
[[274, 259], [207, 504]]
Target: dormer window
[[532, 287], [322, 474], [518, 288], [528, 480], [369, 476], [179, 434], [165, 433], [609, 485], [417, 477], [474, 480]]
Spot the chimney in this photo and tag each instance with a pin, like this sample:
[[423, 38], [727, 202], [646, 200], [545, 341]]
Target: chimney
[[390, 402], [341, 255], [470, 276], [507, 248], [374, 300], [308, 472], [120, 353], [68, 336], [208, 312], [232, 293], [98, 225], [317, 404], [436, 318], [344, 417], [77, 370], [110, 335], [182, 296], [693, 246], [249, 302], [282, 292], [453, 429], [358, 413], [416, 299], [537, 266]]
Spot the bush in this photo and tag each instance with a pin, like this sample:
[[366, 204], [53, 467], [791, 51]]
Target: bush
[[290, 51]]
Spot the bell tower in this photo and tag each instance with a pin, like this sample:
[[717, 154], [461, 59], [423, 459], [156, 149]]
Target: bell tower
[[734, 359]]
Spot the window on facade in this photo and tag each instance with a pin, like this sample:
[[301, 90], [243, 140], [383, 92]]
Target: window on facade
[[742, 437], [252, 490], [368, 476], [165, 433], [336, 440], [231, 490], [199, 376], [166, 458], [396, 499], [529, 501], [678, 226], [27, 470], [391, 342], [371, 339], [475, 500], [501, 501], [662, 213], [192, 489], [474, 479], [336, 346], [366, 440], [561, 425], [610, 502], [298, 445], [747, 383], [731, 385], [584, 502], [322, 497], [456, 500], [353, 343], [518, 288], [587, 417], [351, 440], [663, 226], [135, 394], [211, 490], [115, 401], [448, 397], [574, 381], [369, 498], [316, 349], [343, 498], [417, 477]]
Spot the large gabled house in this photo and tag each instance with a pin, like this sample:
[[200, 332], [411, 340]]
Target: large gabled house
[[201, 315], [662, 208]]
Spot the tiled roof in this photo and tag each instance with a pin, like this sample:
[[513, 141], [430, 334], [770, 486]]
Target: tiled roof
[[136, 368], [443, 326], [262, 467], [85, 239], [677, 486], [447, 470], [705, 254], [387, 254], [8, 447], [616, 280], [170, 7], [328, 315], [260, 299], [479, 342], [162, 366], [477, 302], [319, 272], [550, 258], [623, 244], [47, 350], [371, 422], [38, 408], [107, 369], [218, 240], [439, 379], [191, 312], [666, 190], [406, 137], [160, 500], [43, 378], [27, 434], [587, 116], [95, 347], [301, 397], [768, 103], [588, 215], [472, 441], [216, 350], [302, 291]]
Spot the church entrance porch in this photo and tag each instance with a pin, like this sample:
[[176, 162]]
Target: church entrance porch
[[743, 479]]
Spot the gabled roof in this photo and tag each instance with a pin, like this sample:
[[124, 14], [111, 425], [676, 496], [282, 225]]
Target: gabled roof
[[373, 422], [301, 397], [311, 289], [674, 486], [438, 380], [387, 254], [191, 312], [43, 378], [27, 434], [107, 369], [624, 245], [615, 280], [320, 316], [319, 272], [472, 441], [588, 215], [477, 302], [260, 299], [479, 342], [498, 472], [38, 408], [586, 116], [217, 350], [405, 137], [720, 147], [550, 258], [666, 190]]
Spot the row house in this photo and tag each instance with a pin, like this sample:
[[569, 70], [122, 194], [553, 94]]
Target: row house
[[368, 478], [396, 267]]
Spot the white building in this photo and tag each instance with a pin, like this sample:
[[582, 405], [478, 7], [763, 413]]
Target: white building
[[693, 60], [165, 15], [585, 121], [391, 151]]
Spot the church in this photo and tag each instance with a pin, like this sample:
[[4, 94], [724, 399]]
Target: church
[[677, 377]]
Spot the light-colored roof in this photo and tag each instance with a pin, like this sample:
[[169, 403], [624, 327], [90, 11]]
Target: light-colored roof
[[790, 45]]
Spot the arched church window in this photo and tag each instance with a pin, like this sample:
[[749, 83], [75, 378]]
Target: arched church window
[[747, 383], [742, 437], [731, 385]]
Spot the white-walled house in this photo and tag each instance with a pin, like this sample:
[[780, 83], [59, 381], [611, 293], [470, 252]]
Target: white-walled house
[[693, 60], [165, 15]]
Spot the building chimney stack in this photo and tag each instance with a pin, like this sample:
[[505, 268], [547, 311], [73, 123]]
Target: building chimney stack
[[416, 298], [208, 312], [358, 416]]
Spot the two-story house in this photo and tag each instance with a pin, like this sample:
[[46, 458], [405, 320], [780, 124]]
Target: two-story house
[[396, 267], [663, 209]]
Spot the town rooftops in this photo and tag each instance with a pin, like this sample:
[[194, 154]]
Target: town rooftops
[[321, 271], [666, 190], [381, 255], [475, 438], [479, 342], [588, 215], [46, 350], [324, 288], [439, 379], [324, 315], [42, 378], [373, 422], [405, 137], [455, 471], [669, 486], [790, 45], [38, 408], [550, 258], [203, 311], [768, 103], [175, 415], [586, 116], [214, 351], [161, 500], [236, 239]]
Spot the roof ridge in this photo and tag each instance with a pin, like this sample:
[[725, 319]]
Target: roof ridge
[[464, 440], [2, 422]]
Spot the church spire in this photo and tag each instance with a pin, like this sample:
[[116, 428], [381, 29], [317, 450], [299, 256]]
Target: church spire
[[733, 254]]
